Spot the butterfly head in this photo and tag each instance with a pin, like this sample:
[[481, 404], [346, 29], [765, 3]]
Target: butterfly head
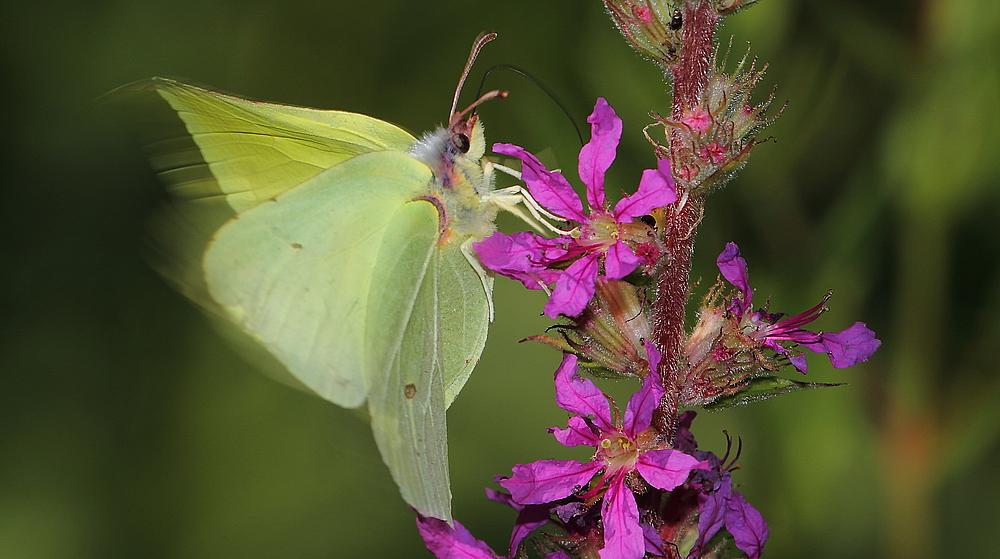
[[465, 131]]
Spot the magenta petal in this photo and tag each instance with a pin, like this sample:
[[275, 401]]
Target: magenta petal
[[641, 405], [653, 542], [653, 357], [684, 439], [623, 537], [574, 288], [656, 189], [523, 256], [518, 252], [576, 433], [501, 497], [747, 525], [580, 395], [560, 554], [446, 542], [619, 261], [596, 157], [550, 188], [800, 363], [666, 469], [530, 517], [711, 513], [851, 346], [734, 269], [548, 480]]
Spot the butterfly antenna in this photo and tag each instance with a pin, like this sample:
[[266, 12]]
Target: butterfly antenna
[[541, 86], [481, 40]]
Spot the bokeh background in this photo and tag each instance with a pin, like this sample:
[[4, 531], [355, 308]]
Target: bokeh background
[[128, 429]]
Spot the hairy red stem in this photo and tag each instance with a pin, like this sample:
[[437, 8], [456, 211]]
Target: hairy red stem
[[690, 76]]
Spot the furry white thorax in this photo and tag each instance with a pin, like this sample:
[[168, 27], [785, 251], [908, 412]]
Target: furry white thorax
[[429, 148], [461, 182]]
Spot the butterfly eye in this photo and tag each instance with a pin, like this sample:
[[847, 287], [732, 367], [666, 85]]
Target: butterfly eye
[[461, 142], [648, 220], [677, 20]]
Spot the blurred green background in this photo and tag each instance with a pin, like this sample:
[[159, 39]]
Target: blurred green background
[[128, 429]]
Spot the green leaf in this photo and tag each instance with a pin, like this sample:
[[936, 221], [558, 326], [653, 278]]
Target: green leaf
[[763, 388]]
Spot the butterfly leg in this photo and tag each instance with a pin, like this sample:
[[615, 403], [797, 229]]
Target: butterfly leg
[[508, 199], [529, 202], [484, 276]]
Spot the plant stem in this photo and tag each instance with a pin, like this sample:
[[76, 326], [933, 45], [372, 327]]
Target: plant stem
[[689, 76]]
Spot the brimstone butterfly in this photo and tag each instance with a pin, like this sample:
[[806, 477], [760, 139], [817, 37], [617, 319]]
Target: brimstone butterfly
[[340, 245]]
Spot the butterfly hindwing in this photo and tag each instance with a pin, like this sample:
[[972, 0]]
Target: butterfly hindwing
[[405, 372], [438, 310], [462, 300]]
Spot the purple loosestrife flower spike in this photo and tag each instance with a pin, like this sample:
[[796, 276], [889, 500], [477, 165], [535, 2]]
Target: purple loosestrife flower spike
[[621, 449], [603, 237]]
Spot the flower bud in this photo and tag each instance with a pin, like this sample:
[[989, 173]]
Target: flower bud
[[712, 134], [652, 27], [608, 335], [725, 7]]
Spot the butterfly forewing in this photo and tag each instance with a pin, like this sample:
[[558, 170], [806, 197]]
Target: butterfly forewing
[[250, 151]]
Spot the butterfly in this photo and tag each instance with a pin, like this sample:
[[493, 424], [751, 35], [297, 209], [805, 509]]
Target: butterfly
[[336, 248]]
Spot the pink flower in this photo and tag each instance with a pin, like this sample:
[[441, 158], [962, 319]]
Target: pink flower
[[846, 348], [719, 505], [625, 453], [604, 236]]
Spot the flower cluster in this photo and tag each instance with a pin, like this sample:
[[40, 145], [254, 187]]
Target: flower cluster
[[652, 27], [629, 461], [612, 239], [655, 28], [719, 505], [627, 455], [711, 135]]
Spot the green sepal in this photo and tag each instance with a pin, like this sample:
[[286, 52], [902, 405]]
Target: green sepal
[[639, 279], [593, 368], [558, 343], [762, 388], [597, 370]]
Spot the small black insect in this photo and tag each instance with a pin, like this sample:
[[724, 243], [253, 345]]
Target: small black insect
[[677, 21]]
